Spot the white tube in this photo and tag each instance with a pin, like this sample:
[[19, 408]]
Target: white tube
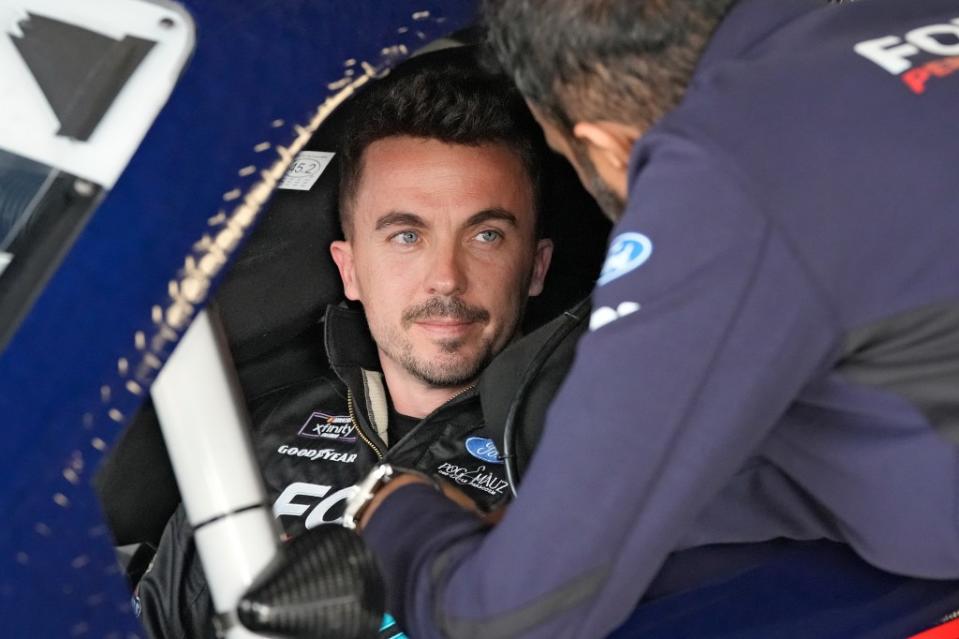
[[207, 433]]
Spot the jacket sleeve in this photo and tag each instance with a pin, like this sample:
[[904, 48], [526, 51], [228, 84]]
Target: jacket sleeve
[[698, 344], [173, 595]]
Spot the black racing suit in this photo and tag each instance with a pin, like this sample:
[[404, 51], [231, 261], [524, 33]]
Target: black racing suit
[[314, 440]]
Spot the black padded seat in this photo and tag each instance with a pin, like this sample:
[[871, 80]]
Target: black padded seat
[[272, 300]]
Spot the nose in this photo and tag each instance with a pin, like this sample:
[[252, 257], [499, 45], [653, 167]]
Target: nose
[[447, 275]]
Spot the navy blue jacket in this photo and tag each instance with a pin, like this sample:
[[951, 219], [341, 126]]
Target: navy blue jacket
[[774, 347]]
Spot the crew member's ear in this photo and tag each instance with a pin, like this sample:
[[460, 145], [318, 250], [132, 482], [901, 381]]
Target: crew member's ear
[[541, 260], [342, 252], [610, 142]]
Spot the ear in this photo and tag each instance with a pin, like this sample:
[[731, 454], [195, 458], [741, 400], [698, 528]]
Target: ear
[[610, 141], [541, 260], [342, 252]]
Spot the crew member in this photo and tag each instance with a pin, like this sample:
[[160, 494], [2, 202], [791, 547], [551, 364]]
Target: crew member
[[774, 344]]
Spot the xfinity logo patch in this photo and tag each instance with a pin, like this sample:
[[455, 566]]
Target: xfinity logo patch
[[323, 426], [483, 449], [627, 252]]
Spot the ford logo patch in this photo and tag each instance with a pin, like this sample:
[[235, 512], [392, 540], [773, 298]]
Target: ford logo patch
[[483, 448], [627, 251]]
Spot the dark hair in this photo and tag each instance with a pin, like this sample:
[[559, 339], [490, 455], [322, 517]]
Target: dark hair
[[445, 96], [601, 59]]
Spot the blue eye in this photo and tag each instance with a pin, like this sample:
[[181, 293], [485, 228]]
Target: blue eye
[[488, 236], [406, 237]]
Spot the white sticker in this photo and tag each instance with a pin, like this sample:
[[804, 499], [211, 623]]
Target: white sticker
[[29, 126], [305, 170]]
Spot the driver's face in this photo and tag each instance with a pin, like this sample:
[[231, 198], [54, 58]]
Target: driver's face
[[442, 254]]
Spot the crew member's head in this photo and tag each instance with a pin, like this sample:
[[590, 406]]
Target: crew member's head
[[439, 206], [598, 73]]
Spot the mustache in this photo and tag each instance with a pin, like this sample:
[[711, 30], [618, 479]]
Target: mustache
[[444, 307]]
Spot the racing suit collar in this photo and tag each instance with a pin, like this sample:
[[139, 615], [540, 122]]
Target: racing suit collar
[[348, 343], [354, 358]]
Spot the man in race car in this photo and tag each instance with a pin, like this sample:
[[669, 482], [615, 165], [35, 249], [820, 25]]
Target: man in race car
[[774, 343], [439, 207]]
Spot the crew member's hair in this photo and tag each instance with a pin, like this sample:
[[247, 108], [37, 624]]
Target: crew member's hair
[[445, 96], [601, 59]]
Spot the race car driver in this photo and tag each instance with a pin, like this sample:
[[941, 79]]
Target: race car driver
[[774, 345], [439, 205]]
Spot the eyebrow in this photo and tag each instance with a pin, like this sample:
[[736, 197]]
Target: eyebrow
[[491, 214], [399, 218]]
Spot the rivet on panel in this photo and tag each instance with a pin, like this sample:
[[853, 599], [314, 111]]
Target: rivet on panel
[[285, 154], [227, 239], [167, 333], [194, 289], [177, 316], [152, 360], [203, 244]]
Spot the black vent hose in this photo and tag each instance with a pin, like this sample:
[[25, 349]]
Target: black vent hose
[[325, 584]]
